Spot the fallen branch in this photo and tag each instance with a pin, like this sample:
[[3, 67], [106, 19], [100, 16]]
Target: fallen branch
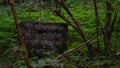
[[76, 48], [6, 52]]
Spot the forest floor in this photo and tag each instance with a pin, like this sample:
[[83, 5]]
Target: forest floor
[[76, 60]]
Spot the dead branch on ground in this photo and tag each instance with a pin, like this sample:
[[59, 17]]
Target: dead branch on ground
[[76, 48]]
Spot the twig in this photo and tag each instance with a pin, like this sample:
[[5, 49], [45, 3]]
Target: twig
[[6, 52]]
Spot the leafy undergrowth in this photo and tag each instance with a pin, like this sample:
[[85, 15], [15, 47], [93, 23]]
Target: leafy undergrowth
[[76, 60], [84, 60]]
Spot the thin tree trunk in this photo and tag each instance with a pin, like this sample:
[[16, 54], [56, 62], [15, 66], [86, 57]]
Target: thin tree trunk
[[107, 28], [20, 35], [97, 21], [113, 24]]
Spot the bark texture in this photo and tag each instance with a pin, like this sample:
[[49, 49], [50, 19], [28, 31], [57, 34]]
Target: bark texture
[[107, 27], [20, 35]]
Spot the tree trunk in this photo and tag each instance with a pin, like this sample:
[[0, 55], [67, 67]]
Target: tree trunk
[[20, 35], [97, 21], [107, 28], [75, 24]]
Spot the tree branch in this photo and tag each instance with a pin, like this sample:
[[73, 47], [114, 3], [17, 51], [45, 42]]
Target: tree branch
[[76, 49], [77, 25]]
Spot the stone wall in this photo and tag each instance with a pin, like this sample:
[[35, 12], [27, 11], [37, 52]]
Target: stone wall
[[45, 37]]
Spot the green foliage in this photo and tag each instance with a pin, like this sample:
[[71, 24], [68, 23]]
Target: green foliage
[[19, 64], [1, 1], [84, 14], [7, 28], [84, 60]]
